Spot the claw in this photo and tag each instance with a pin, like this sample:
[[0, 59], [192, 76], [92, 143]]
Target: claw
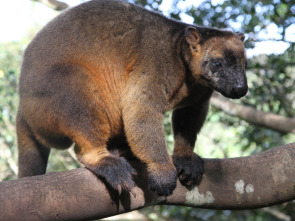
[[119, 188], [132, 191]]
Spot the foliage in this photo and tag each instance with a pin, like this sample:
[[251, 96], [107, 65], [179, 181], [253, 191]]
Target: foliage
[[271, 82], [10, 59]]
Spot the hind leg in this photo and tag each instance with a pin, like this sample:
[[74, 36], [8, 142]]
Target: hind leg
[[33, 156], [69, 103], [86, 113]]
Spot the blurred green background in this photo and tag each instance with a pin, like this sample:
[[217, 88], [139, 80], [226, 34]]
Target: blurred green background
[[270, 42]]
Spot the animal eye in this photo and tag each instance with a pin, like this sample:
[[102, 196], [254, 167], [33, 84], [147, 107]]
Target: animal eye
[[217, 65]]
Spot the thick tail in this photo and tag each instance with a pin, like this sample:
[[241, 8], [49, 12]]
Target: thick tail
[[32, 155]]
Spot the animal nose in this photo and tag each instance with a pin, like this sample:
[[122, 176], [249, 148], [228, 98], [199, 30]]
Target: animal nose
[[240, 90]]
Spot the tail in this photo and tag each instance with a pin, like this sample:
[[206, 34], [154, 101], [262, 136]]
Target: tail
[[32, 155]]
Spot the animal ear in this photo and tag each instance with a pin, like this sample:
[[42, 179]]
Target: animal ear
[[241, 36], [193, 37]]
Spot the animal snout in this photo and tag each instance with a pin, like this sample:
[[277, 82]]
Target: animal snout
[[240, 90]]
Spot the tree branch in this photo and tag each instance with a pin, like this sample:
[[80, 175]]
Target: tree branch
[[250, 182], [279, 215], [54, 4], [260, 118]]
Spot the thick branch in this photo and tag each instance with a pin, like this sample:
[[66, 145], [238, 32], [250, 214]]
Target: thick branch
[[250, 182], [260, 118], [54, 4]]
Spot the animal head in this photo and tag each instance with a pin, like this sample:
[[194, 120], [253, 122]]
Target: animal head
[[218, 60]]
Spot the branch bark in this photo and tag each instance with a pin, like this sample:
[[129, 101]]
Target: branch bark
[[250, 182], [253, 116], [54, 4]]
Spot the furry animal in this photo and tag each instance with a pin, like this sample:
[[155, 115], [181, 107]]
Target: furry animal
[[104, 73]]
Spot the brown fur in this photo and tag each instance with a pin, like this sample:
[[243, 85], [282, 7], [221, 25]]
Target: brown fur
[[108, 70]]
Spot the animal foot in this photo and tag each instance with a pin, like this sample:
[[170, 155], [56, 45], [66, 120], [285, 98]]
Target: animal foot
[[189, 169], [116, 171], [163, 182]]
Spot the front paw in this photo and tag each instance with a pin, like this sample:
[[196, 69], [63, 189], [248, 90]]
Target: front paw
[[189, 169], [116, 171], [162, 181]]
